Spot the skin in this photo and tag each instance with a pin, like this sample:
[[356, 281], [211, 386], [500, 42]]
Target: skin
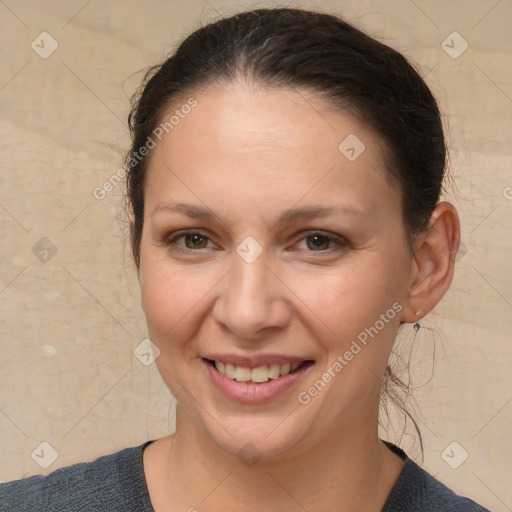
[[247, 154]]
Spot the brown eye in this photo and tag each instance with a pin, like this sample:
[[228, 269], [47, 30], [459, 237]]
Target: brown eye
[[322, 243], [195, 241], [318, 242], [191, 241]]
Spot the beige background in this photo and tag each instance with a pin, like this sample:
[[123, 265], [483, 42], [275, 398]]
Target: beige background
[[70, 321]]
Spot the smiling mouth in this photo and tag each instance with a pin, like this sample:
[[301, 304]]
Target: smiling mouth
[[259, 374]]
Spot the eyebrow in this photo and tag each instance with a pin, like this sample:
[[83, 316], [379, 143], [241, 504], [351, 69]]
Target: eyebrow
[[190, 210], [288, 216]]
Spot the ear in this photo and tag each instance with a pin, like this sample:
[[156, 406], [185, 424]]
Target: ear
[[434, 262]]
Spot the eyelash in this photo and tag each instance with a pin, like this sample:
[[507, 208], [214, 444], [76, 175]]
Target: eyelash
[[170, 242]]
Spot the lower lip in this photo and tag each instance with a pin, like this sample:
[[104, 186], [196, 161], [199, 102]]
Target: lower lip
[[252, 392]]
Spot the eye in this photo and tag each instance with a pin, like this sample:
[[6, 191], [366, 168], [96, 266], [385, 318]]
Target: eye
[[188, 241], [320, 242], [191, 240], [317, 242]]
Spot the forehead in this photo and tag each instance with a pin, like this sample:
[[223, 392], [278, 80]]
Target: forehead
[[260, 142]]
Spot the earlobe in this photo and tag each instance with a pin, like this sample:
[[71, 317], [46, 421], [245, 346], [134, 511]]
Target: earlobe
[[434, 261]]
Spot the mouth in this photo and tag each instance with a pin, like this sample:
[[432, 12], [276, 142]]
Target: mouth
[[255, 384], [259, 374]]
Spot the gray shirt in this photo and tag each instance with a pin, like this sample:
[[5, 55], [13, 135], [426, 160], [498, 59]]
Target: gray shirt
[[116, 483]]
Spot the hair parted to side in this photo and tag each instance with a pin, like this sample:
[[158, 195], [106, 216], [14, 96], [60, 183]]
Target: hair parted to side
[[295, 48]]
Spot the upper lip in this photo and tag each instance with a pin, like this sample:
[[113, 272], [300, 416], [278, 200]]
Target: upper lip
[[255, 361]]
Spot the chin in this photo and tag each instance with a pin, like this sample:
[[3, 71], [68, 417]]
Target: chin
[[251, 437]]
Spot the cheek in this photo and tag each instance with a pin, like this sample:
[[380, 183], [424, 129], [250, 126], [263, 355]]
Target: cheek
[[350, 296], [171, 298], [357, 310], [362, 313]]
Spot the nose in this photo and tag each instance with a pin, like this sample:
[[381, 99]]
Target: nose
[[252, 300]]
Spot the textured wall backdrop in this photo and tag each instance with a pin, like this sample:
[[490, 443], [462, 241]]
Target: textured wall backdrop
[[73, 382]]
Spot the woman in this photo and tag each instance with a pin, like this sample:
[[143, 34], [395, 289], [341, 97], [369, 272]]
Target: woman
[[284, 185]]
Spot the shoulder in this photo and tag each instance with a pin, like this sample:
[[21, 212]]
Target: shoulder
[[111, 482], [418, 491]]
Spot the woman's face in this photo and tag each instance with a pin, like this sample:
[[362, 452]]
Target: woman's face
[[294, 252]]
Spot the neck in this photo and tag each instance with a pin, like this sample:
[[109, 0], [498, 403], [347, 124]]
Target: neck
[[352, 471]]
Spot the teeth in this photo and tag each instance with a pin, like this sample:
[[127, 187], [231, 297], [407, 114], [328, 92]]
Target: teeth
[[230, 371], [274, 371], [242, 374], [285, 369], [259, 374]]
